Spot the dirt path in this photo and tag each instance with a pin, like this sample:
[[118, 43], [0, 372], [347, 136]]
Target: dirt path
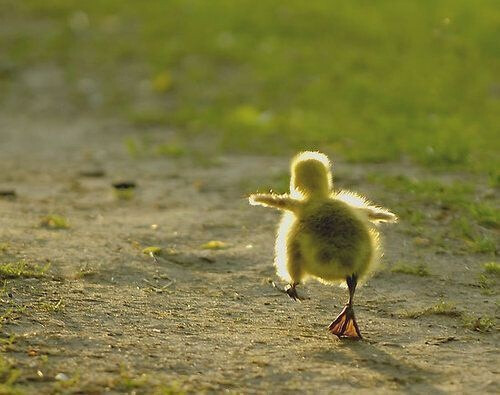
[[109, 317]]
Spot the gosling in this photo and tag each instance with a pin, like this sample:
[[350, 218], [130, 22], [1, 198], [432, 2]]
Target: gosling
[[325, 234]]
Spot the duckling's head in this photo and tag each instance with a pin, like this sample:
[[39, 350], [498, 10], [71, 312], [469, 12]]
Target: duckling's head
[[311, 175]]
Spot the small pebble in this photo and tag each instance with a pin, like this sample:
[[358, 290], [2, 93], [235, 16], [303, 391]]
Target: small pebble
[[61, 377]]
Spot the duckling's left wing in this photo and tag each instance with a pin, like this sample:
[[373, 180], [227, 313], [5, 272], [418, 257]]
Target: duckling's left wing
[[379, 214], [373, 212]]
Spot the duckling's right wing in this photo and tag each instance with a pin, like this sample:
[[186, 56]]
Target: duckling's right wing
[[281, 202], [379, 214]]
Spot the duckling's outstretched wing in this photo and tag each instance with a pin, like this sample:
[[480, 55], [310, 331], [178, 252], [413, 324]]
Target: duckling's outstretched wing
[[379, 214], [281, 202], [373, 212]]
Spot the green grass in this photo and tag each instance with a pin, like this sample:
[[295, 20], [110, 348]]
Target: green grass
[[154, 250], [52, 307], [469, 217], [146, 147], [483, 244], [4, 247], [124, 194], [11, 314], [420, 270], [369, 81], [479, 324], [489, 278], [86, 271], [278, 183], [492, 268], [54, 221], [8, 376], [442, 308], [22, 269], [215, 245], [129, 381]]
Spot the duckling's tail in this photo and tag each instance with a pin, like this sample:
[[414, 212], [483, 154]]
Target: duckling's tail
[[345, 326]]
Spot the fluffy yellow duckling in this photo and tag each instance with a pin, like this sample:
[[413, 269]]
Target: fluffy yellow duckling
[[324, 234]]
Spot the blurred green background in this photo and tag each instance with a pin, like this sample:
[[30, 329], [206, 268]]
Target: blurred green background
[[370, 81]]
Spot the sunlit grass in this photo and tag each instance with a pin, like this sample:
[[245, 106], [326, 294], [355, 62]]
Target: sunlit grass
[[470, 219], [420, 270], [22, 269], [4, 247], [54, 221], [492, 268], [9, 374], [369, 82], [278, 183], [479, 324], [441, 308], [488, 280], [214, 245]]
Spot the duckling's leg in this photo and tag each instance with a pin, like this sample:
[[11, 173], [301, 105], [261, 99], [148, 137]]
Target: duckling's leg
[[291, 291], [345, 324], [294, 263]]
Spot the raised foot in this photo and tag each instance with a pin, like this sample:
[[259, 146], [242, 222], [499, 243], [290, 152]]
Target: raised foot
[[345, 326], [291, 291]]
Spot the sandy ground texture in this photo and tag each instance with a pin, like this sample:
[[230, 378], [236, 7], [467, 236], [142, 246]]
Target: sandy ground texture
[[106, 317]]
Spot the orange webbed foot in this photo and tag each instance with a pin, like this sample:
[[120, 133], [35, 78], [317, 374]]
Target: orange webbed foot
[[345, 326]]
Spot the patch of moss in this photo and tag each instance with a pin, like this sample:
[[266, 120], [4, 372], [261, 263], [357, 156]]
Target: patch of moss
[[492, 268], [54, 221], [11, 314], [149, 117], [152, 250], [473, 221], [52, 306], [486, 215], [124, 194], [483, 245], [479, 324], [486, 284], [22, 269], [278, 183], [8, 343], [8, 376], [86, 271], [488, 279], [441, 308], [420, 270], [214, 245], [134, 149], [130, 381], [174, 150], [148, 146]]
